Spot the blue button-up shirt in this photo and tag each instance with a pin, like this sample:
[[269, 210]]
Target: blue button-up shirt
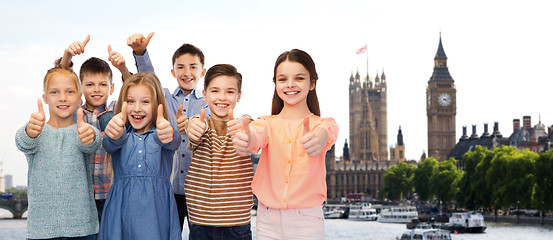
[[192, 104]]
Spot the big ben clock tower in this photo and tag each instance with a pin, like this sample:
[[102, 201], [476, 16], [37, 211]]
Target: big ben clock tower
[[441, 108]]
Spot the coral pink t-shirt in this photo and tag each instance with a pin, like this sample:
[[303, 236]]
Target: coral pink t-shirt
[[286, 177]]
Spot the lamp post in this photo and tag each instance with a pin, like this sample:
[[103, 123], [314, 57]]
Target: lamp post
[[541, 213], [495, 208], [518, 211]]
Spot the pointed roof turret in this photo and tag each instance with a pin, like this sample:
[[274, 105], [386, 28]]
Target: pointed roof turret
[[383, 76], [357, 75], [377, 79], [440, 54], [441, 71], [399, 137]]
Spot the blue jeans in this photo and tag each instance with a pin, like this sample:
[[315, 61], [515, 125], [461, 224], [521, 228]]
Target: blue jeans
[[89, 237], [199, 232]]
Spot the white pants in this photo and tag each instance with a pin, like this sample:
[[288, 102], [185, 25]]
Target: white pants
[[296, 223]]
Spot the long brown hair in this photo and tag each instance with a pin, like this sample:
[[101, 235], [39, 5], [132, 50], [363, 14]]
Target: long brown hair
[[301, 57], [150, 81]]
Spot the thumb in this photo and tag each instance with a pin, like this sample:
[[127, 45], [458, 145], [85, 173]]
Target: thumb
[[40, 108], [202, 115], [124, 112], [246, 126], [80, 115], [306, 125], [150, 36], [86, 39], [179, 111], [230, 114], [109, 52], [160, 112]]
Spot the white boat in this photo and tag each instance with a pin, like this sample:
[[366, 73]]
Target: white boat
[[363, 212], [334, 211], [426, 234], [398, 215], [472, 222]]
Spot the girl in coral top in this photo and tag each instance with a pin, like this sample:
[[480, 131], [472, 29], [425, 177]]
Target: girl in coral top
[[290, 179]]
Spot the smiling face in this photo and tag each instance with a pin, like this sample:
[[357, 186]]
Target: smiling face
[[62, 96], [292, 83], [96, 88], [140, 107], [188, 69], [221, 95]]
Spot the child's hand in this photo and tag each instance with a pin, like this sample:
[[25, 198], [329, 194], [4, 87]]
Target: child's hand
[[313, 142], [116, 125], [77, 48], [138, 43], [117, 60], [86, 133], [197, 127], [164, 129], [181, 121], [241, 139], [36, 122], [234, 125]]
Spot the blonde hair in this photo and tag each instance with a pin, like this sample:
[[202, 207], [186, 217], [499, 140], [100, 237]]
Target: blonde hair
[[60, 70], [150, 81]]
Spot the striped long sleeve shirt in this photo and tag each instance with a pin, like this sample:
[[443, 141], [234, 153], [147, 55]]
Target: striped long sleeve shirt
[[218, 185]]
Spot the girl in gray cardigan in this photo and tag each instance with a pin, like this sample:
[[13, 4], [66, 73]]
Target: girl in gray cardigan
[[61, 202]]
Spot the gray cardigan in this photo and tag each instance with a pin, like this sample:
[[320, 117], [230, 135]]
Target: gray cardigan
[[61, 199]]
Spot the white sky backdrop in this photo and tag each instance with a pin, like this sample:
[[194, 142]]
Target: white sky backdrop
[[499, 54]]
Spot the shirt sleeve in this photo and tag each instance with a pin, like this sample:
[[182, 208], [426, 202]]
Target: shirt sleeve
[[143, 63], [91, 148], [111, 145], [259, 129], [25, 143]]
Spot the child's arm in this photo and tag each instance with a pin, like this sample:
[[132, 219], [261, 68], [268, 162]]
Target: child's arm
[[118, 62], [138, 43], [75, 48], [166, 134]]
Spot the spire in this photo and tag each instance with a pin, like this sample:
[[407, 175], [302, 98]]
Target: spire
[[377, 79], [440, 54], [383, 77], [399, 137]]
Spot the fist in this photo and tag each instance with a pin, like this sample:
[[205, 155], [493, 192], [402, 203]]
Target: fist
[[313, 143], [197, 127], [164, 129], [116, 125], [86, 133], [241, 140], [138, 43], [182, 120], [36, 122]]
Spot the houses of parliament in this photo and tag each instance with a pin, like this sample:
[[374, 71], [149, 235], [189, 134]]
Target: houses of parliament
[[367, 156]]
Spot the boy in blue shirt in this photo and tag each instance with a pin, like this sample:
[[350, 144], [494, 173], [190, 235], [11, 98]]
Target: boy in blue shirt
[[188, 69]]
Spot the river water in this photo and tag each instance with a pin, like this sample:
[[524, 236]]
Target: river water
[[338, 229]]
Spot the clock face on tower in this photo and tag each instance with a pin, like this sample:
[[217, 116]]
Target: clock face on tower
[[444, 99]]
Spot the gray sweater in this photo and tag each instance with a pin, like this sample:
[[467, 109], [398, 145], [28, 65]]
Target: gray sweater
[[61, 199]]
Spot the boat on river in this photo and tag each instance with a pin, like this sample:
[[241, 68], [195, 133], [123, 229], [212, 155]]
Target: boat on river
[[402, 214], [335, 211], [362, 212], [471, 222], [426, 232]]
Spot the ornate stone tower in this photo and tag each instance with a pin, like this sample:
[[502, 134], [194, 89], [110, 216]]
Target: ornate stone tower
[[368, 119], [441, 108]]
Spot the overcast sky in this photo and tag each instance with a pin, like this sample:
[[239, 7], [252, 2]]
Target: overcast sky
[[499, 54]]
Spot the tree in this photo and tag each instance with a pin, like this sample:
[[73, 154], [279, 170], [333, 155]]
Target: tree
[[421, 179], [442, 182], [398, 181], [542, 196]]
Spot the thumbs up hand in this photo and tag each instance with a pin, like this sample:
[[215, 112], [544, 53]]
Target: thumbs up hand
[[116, 125], [77, 48], [36, 122], [197, 127], [233, 125], [117, 60], [164, 129], [242, 138], [313, 142], [86, 133], [181, 121], [138, 43]]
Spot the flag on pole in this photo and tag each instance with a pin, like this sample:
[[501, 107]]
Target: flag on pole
[[362, 49]]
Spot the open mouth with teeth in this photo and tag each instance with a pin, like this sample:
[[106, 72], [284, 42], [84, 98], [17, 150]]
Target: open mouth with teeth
[[96, 97], [221, 105], [63, 107], [291, 92], [137, 118]]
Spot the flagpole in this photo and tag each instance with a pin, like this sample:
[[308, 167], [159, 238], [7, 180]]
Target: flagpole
[[367, 54]]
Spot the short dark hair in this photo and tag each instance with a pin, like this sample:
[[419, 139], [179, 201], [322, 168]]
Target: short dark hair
[[95, 65], [189, 49], [222, 70]]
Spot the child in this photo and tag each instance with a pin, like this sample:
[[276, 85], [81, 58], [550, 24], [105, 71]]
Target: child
[[140, 203], [61, 203], [218, 185], [290, 178], [188, 68], [97, 81]]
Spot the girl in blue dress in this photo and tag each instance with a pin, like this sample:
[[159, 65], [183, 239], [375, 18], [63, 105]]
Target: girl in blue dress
[[140, 204]]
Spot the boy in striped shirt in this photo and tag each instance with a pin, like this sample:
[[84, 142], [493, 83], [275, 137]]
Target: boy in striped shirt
[[218, 186]]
